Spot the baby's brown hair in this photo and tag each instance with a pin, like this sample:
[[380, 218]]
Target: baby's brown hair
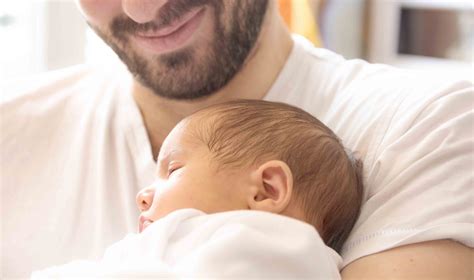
[[327, 179]]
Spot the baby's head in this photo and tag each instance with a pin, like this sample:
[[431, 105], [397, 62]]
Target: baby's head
[[257, 155]]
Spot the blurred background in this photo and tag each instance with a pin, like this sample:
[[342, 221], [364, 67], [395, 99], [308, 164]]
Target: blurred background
[[437, 35]]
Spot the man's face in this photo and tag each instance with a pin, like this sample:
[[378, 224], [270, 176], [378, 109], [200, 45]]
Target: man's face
[[187, 177], [180, 49]]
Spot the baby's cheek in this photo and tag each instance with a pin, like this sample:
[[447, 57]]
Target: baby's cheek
[[168, 199]]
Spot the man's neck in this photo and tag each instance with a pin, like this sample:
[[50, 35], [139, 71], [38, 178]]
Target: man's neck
[[255, 79]]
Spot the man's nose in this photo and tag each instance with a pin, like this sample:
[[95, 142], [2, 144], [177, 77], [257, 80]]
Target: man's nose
[[144, 198], [142, 11]]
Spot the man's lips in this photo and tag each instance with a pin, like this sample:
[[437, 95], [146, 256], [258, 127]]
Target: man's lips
[[172, 37], [143, 223], [167, 30]]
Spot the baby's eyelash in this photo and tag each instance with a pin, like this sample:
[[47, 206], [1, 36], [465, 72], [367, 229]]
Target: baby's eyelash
[[173, 169]]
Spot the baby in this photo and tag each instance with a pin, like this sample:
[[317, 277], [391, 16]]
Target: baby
[[214, 167], [257, 155]]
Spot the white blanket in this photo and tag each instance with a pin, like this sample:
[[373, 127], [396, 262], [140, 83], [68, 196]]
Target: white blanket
[[191, 244]]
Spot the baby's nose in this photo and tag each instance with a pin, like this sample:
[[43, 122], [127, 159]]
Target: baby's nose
[[144, 198]]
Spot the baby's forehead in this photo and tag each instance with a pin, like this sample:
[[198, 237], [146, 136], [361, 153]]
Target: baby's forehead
[[183, 139], [197, 127]]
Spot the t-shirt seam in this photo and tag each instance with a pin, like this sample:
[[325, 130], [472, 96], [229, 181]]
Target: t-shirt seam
[[393, 231], [376, 234]]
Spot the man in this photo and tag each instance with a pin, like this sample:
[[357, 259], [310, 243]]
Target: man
[[72, 137]]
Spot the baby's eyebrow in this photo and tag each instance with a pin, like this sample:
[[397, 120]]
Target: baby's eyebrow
[[164, 160], [169, 155], [161, 163]]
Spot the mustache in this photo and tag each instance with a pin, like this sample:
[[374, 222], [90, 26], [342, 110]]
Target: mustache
[[171, 11]]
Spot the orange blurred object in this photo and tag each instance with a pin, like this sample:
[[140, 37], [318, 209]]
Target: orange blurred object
[[300, 19]]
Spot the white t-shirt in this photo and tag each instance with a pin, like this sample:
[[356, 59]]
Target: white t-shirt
[[74, 153]]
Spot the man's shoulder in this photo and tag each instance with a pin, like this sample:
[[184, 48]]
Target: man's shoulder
[[69, 91], [84, 80], [316, 75], [60, 100], [323, 81], [37, 84], [324, 65]]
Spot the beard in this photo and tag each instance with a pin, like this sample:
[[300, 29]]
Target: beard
[[191, 73]]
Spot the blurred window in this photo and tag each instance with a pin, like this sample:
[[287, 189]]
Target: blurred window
[[39, 36], [19, 51], [437, 33]]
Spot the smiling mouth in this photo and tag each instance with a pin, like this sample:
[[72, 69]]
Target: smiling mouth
[[173, 36]]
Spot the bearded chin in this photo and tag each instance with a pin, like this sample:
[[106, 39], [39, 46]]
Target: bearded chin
[[181, 75], [190, 73]]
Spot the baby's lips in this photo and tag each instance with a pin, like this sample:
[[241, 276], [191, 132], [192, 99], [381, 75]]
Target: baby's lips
[[143, 222], [146, 224]]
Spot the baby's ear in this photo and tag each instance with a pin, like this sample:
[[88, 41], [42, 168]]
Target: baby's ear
[[273, 187]]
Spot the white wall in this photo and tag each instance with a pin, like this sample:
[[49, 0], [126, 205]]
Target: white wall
[[39, 36], [64, 35]]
